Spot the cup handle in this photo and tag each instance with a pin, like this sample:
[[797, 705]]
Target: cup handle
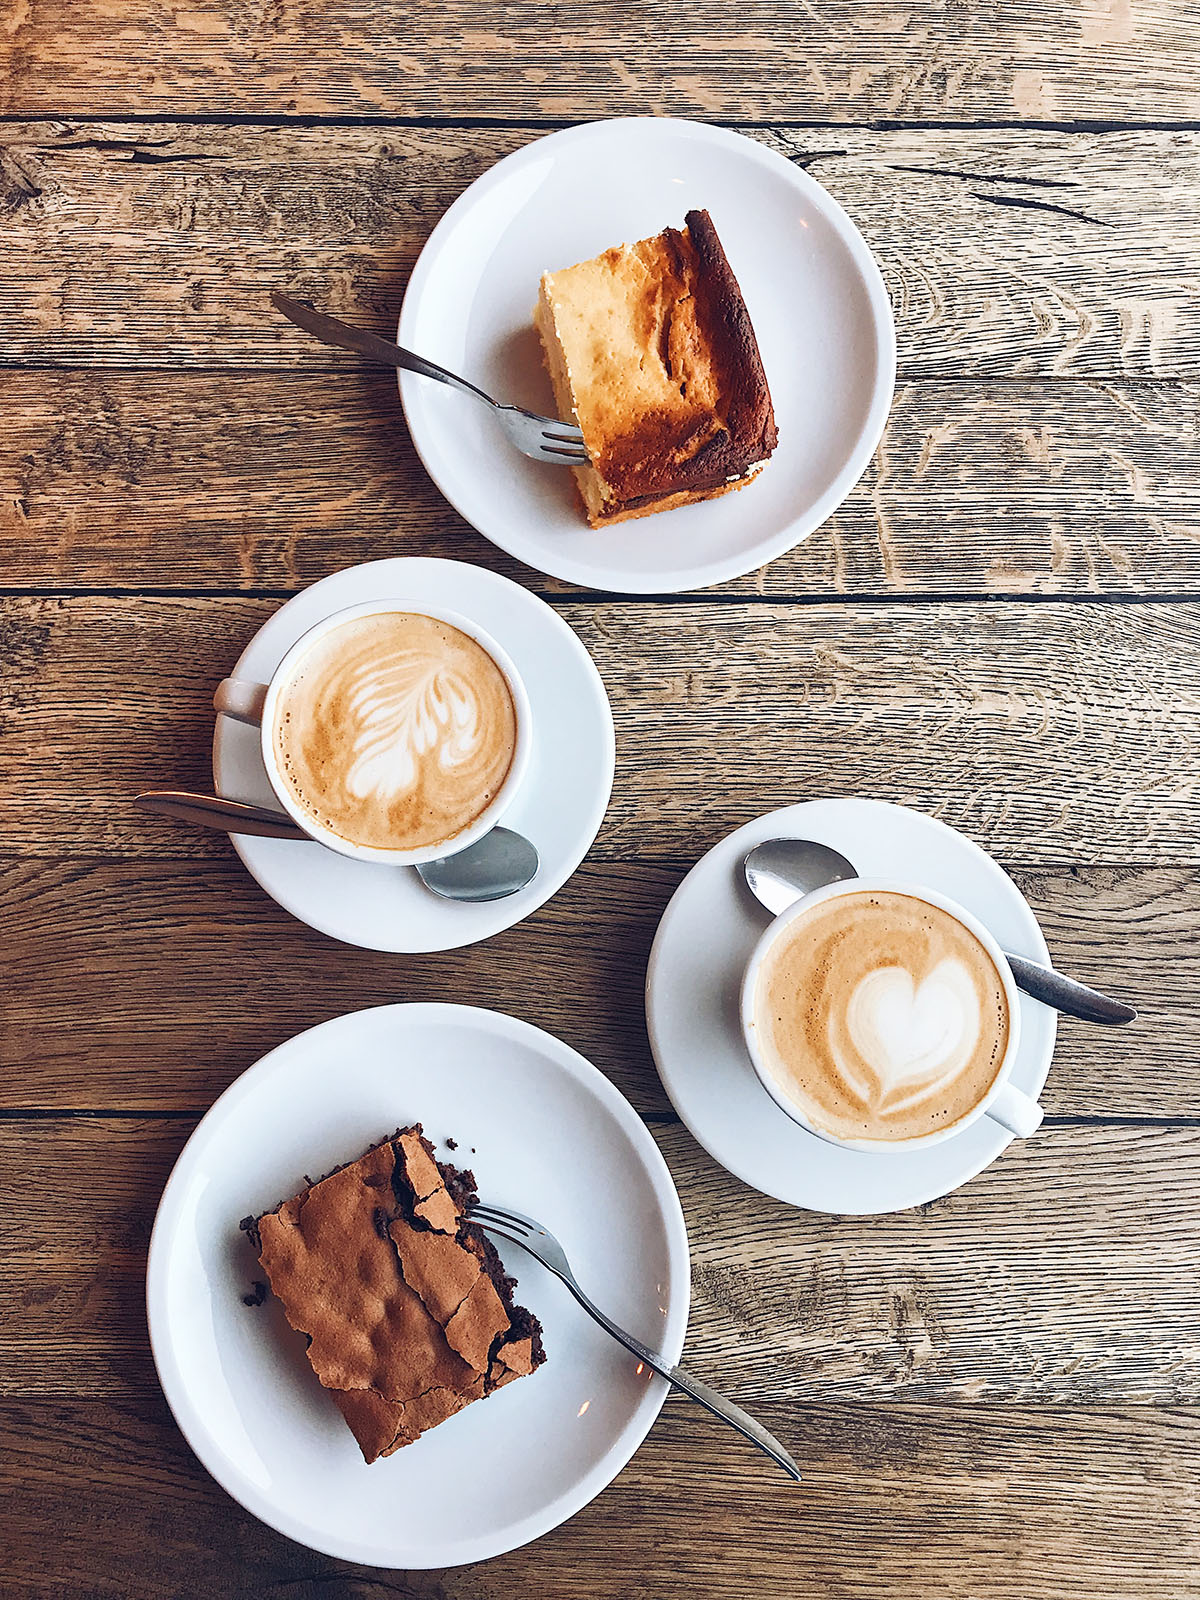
[[1017, 1112], [240, 700]]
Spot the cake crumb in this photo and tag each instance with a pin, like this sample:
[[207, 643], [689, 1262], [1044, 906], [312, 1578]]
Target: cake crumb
[[257, 1295]]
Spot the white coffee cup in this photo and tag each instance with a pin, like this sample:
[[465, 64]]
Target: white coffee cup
[[1014, 1110], [255, 703]]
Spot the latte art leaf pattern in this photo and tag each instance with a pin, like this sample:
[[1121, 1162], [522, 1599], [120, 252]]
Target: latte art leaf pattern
[[396, 732], [405, 712]]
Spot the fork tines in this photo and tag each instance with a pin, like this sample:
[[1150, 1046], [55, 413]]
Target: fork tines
[[514, 1227], [565, 443], [494, 1214]]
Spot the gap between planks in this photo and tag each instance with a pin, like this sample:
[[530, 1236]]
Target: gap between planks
[[258, 119], [723, 597], [652, 1119]]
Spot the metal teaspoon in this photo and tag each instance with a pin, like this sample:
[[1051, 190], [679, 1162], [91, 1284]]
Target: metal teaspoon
[[779, 871], [499, 864]]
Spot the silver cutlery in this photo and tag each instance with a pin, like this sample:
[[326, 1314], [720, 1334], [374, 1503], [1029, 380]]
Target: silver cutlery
[[779, 871], [544, 1247], [212, 811], [492, 868], [542, 438]]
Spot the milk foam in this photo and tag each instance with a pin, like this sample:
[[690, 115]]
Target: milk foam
[[881, 1016], [915, 1039], [402, 712], [396, 731]]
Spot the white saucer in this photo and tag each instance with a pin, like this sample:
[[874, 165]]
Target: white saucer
[[700, 951], [545, 1133], [560, 805], [815, 295]]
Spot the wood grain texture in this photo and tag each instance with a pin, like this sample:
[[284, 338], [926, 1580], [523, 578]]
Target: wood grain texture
[[103, 1501], [1068, 1272], [967, 1384], [1007, 253], [111, 479], [1048, 732], [243, 976], [822, 60]]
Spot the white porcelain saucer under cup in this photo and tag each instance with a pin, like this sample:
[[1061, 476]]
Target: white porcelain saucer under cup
[[704, 941], [560, 804], [815, 296], [545, 1133]]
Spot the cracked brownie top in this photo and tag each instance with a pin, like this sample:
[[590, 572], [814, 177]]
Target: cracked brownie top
[[407, 1308]]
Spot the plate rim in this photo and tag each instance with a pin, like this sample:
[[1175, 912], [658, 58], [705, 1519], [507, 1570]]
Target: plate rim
[[662, 933], [185, 1410], [599, 801], [710, 574]]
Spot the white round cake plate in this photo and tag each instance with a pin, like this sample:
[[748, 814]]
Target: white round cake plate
[[560, 804], [815, 295], [546, 1134], [700, 951]]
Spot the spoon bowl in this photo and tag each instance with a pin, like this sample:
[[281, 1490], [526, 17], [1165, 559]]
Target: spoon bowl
[[499, 864], [780, 871]]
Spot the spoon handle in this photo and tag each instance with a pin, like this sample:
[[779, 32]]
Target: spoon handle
[[212, 811], [1066, 995]]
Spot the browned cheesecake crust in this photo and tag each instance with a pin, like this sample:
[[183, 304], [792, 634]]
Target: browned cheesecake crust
[[651, 349], [407, 1308]]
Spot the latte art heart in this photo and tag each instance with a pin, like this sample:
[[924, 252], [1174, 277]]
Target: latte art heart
[[881, 1016], [396, 731], [914, 1038]]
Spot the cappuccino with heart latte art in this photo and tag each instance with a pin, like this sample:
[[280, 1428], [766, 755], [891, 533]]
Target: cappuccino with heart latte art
[[881, 1016], [395, 731]]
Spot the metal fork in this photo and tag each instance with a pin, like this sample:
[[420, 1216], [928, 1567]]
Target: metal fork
[[543, 438], [542, 1245]]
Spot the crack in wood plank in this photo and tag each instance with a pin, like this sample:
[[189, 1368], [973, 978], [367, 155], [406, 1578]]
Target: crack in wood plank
[[1025, 203]]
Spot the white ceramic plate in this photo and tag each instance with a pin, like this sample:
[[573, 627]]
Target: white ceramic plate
[[815, 295], [545, 1133], [700, 951], [560, 804]]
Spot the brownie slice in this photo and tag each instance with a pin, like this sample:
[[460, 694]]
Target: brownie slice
[[407, 1308]]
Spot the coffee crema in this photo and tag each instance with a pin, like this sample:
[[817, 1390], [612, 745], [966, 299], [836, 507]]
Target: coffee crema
[[881, 1016], [395, 731]]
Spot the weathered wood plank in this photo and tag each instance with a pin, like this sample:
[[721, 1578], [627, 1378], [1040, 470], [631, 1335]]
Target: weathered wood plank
[[1051, 733], [1083, 1281], [1068, 1225], [97, 936], [185, 228], [1006, 1503], [108, 478], [244, 976], [825, 60]]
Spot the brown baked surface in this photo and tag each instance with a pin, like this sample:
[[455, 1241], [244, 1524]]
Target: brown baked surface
[[650, 349], [407, 1308]]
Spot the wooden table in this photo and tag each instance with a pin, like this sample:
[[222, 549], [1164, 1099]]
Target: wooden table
[[1001, 626]]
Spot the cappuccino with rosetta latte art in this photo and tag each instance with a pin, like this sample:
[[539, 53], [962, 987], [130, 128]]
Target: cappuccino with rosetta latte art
[[881, 1016], [395, 731]]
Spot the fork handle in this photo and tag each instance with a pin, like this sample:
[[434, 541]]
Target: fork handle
[[700, 1392], [332, 331]]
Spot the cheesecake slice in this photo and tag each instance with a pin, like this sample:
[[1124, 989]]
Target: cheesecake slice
[[407, 1308], [650, 350]]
